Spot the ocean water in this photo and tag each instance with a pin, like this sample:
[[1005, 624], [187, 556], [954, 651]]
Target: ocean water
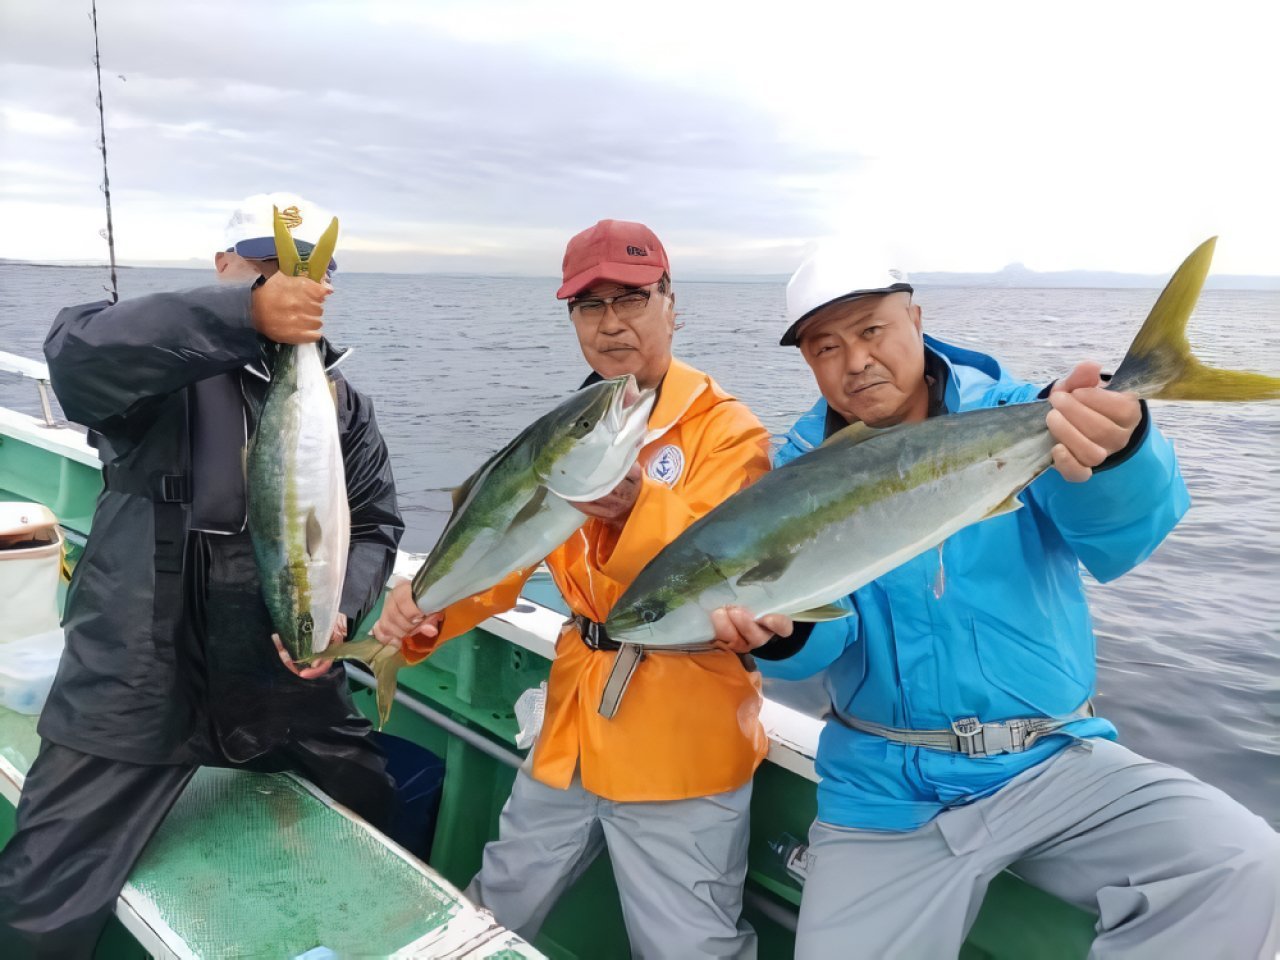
[[1188, 643]]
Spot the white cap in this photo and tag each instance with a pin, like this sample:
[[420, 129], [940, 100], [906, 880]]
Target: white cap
[[835, 272], [251, 229]]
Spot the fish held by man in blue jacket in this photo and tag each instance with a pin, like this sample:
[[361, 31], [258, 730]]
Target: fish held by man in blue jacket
[[808, 534]]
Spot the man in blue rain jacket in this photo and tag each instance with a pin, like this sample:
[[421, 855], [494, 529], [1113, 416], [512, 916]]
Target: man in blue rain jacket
[[961, 738]]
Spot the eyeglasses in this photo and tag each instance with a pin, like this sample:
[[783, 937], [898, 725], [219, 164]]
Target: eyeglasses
[[625, 305]]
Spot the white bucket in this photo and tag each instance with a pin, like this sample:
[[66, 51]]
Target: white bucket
[[30, 637]]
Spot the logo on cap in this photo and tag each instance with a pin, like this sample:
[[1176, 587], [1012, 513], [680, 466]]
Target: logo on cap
[[291, 217], [637, 252]]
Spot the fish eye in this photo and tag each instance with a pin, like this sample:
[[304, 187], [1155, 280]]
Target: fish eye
[[653, 611]]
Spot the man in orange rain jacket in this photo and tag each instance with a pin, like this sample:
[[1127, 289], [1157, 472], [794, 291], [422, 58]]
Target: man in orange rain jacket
[[662, 775]]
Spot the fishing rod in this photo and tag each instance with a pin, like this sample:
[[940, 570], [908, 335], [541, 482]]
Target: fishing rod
[[102, 144]]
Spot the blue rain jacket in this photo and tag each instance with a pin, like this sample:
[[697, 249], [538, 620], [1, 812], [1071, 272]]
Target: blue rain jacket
[[1010, 635]]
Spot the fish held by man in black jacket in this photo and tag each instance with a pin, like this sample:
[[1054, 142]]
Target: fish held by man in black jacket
[[299, 518]]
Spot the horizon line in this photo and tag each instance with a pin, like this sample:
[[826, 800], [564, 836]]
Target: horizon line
[[1013, 270]]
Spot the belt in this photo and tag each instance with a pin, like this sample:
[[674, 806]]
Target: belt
[[593, 633], [969, 735], [594, 637], [624, 666], [628, 658]]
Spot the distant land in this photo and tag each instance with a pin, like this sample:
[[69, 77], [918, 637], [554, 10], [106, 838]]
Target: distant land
[[1017, 275], [1012, 276]]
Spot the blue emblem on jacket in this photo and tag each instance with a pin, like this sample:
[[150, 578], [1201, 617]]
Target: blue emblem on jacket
[[1004, 631]]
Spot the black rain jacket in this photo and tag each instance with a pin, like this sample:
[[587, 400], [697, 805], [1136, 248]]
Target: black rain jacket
[[168, 656]]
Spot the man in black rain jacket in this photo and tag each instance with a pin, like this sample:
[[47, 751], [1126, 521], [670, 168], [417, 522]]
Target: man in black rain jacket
[[169, 660]]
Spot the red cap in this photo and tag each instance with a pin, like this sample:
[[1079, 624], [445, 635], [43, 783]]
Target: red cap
[[616, 250]]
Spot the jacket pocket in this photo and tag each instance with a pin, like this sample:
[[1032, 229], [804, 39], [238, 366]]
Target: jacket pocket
[[1048, 674]]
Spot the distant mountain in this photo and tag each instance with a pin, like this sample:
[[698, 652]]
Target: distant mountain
[[193, 263], [6, 262], [1018, 275]]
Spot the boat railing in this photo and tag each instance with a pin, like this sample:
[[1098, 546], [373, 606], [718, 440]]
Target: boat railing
[[32, 370]]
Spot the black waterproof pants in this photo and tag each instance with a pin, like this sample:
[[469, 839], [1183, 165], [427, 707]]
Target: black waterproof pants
[[83, 821]]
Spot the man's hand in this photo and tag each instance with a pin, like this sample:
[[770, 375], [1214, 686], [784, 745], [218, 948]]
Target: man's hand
[[401, 617], [1088, 422], [320, 667], [614, 508], [289, 309], [739, 632]]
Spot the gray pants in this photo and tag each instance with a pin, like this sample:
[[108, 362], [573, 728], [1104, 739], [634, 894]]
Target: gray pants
[[1173, 867], [680, 865]]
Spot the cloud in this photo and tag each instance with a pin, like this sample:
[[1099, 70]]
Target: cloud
[[968, 137], [406, 133]]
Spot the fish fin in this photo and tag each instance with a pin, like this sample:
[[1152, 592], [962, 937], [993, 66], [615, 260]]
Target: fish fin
[[855, 433], [766, 571], [828, 611], [459, 493], [463, 490], [1160, 365], [1009, 504], [366, 651], [320, 255], [383, 659], [286, 249], [315, 535], [530, 509], [385, 670]]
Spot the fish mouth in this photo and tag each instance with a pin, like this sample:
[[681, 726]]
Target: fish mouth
[[598, 462], [630, 392], [629, 407]]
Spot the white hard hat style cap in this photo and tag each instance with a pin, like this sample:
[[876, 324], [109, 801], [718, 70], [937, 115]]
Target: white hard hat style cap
[[833, 273], [251, 229]]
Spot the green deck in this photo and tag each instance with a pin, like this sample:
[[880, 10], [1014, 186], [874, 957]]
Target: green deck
[[280, 847], [253, 865]]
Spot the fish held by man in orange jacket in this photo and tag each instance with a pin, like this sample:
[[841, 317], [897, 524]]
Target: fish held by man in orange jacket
[[518, 506]]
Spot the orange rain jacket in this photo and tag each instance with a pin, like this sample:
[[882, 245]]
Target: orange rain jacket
[[689, 724]]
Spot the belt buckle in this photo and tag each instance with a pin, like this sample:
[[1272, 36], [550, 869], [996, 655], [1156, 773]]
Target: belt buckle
[[590, 631], [966, 726], [969, 731], [993, 739], [978, 739], [1003, 737]]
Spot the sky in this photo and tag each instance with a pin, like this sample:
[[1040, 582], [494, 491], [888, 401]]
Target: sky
[[478, 136]]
